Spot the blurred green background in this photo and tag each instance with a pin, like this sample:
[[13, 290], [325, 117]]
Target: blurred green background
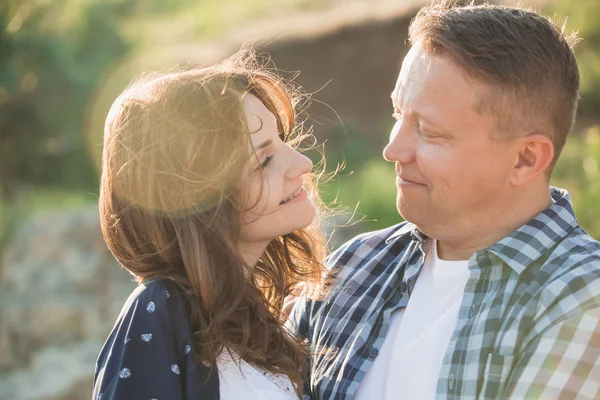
[[62, 62]]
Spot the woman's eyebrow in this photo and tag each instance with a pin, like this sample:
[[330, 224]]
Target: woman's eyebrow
[[264, 144]]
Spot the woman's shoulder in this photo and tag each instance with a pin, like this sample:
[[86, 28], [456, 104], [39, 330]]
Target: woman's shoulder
[[149, 353], [159, 297], [154, 312], [158, 289]]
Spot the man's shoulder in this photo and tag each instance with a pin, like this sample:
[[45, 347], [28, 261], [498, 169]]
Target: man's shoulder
[[345, 263], [572, 275], [373, 239], [363, 246], [581, 242], [577, 253]]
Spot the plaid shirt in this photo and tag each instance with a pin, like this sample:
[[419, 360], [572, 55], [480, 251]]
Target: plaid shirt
[[528, 325]]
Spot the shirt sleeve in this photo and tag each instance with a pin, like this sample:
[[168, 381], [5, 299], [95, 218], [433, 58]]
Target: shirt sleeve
[[563, 362], [148, 354]]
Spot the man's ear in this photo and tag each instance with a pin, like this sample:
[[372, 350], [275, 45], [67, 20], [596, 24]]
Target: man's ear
[[534, 156]]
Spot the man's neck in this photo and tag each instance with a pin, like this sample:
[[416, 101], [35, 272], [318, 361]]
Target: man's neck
[[486, 234]]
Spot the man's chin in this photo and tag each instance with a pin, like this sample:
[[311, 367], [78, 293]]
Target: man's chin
[[413, 213]]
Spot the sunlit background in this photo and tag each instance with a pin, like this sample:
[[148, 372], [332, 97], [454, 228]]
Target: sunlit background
[[62, 63]]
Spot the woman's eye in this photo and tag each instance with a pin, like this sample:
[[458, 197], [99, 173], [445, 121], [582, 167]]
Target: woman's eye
[[266, 162]]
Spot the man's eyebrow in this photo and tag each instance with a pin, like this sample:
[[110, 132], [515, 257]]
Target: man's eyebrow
[[394, 97]]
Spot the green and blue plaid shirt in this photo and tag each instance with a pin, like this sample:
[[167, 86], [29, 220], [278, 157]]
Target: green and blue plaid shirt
[[528, 326]]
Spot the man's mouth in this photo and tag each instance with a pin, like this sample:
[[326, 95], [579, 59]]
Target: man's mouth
[[291, 196]]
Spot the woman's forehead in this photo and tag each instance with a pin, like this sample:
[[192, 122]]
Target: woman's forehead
[[261, 122]]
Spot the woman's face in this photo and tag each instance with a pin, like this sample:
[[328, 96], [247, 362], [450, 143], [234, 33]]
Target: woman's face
[[272, 194]]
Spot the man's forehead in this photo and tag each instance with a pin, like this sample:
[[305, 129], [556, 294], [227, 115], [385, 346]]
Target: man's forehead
[[414, 64]]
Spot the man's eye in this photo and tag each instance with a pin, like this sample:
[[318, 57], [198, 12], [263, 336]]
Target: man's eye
[[429, 136], [266, 162]]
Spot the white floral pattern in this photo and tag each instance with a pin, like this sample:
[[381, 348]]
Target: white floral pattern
[[151, 307], [124, 373], [146, 337], [175, 369], [187, 350]]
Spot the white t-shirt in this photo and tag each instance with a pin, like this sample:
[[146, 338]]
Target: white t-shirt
[[241, 380], [412, 353]]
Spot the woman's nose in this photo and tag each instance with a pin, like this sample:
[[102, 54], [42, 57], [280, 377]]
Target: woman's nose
[[299, 165]]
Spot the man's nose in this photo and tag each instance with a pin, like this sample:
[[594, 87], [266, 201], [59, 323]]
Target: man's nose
[[401, 145]]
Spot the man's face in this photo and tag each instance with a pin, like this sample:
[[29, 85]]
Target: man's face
[[452, 165]]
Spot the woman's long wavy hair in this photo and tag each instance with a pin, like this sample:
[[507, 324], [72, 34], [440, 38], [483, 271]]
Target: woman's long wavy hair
[[175, 147]]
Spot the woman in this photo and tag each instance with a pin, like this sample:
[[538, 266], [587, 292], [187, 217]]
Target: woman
[[205, 201]]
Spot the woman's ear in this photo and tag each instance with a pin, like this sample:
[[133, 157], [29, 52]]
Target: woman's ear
[[534, 156]]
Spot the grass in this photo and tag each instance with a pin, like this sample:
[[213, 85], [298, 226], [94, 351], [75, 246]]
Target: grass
[[208, 19]]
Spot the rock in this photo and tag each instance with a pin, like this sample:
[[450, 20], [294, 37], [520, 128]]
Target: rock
[[60, 293], [54, 373]]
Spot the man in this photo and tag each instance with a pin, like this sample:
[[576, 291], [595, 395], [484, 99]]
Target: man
[[491, 289]]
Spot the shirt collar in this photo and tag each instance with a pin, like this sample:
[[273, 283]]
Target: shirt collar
[[531, 241], [408, 228]]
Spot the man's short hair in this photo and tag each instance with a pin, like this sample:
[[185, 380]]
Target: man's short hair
[[526, 60]]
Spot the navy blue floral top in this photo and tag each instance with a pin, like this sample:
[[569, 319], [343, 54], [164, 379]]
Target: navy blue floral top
[[148, 354]]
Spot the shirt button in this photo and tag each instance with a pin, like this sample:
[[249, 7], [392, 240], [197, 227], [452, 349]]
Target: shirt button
[[474, 310], [403, 287], [373, 352], [451, 383]]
